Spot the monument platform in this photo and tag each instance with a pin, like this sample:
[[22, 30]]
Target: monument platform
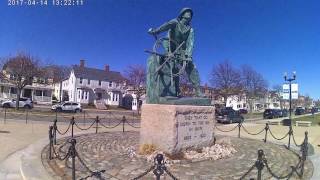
[[109, 151], [174, 128]]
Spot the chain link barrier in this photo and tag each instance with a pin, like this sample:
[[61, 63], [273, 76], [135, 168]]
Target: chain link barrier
[[298, 169], [132, 125], [109, 127], [158, 168], [72, 153], [56, 128], [84, 129], [279, 139], [245, 130], [226, 130]]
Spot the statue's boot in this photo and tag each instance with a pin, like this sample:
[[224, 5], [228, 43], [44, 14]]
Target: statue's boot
[[198, 92]]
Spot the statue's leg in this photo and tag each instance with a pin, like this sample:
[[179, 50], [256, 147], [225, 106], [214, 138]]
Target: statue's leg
[[193, 76], [152, 81]]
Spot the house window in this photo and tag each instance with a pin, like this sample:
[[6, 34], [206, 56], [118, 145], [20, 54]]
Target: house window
[[45, 93], [82, 95], [86, 94], [38, 93], [13, 90], [88, 81], [99, 82], [112, 97], [81, 80], [110, 84], [79, 94]]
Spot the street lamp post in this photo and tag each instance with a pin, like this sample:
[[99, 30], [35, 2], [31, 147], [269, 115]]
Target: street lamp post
[[290, 99], [290, 95]]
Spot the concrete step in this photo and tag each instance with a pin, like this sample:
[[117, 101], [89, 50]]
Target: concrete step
[[100, 105], [25, 164]]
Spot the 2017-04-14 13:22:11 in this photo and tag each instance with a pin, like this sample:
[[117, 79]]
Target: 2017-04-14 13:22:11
[[45, 2]]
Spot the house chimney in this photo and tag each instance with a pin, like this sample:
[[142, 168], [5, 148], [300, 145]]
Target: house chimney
[[107, 67], [82, 63]]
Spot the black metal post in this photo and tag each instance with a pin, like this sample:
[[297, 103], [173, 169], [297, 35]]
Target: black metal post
[[239, 129], [97, 124], [56, 114], [290, 134], [50, 142], [290, 93], [259, 163], [84, 118], [72, 124], [73, 156], [123, 121], [158, 161], [304, 152], [27, 116], [5, 116], [266, 134], [290, 99], [55, 131]]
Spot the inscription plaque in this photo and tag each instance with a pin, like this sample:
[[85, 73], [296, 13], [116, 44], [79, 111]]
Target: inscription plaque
[[193, 128], [174, 128]]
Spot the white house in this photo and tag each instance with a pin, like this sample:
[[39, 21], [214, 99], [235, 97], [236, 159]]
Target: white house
[[40, 93], [269, 101], [91, 86], [236, 102]]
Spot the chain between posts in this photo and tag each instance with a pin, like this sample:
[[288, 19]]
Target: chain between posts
[[262, 162]]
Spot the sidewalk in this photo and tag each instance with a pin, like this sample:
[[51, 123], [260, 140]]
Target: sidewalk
[[21, 145]]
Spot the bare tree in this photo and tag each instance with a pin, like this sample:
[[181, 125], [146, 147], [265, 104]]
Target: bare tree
[[136, 75], [307, 101], [253, 84], [226, 79], [278, 94], [57, 73], [20, 71]]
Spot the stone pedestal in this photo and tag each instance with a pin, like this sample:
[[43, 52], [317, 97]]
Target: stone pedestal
[[172, 128]]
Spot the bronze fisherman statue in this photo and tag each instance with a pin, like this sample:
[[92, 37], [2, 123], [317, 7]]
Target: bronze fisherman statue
[[165, 69]]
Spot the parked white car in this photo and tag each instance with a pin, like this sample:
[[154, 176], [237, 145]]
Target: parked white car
[[23, 103], [67, 106]]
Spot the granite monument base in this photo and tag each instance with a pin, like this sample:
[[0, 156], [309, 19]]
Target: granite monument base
[[174, 128]]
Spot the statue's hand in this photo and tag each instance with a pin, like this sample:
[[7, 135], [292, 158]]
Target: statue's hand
[[152, 31], [188, 58]]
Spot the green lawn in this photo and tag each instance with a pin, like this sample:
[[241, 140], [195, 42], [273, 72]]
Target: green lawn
[[314, 119], [253, 115]]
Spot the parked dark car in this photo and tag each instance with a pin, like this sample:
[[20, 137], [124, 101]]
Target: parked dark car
[[229, 117], [243, 111], [283, 112], [272, 113], [314, 110], [224, 111], [299, 111]]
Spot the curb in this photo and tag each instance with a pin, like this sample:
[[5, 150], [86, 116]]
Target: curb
[[31, 164], [315, 159]]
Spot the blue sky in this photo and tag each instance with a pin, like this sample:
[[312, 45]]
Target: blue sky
[[273, 36]]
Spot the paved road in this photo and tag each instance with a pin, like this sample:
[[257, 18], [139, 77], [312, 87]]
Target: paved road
[[87, 116]]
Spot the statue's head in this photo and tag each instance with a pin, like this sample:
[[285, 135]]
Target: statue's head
[[185, 15]]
